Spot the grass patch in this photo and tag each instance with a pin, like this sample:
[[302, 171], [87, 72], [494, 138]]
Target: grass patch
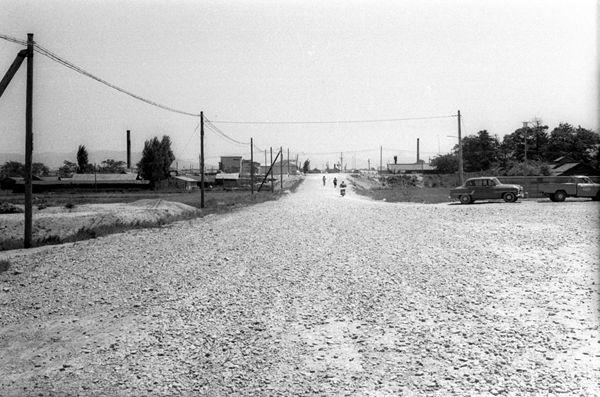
[[426, 195]]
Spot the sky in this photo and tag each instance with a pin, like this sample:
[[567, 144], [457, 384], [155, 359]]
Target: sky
[[499, 62]]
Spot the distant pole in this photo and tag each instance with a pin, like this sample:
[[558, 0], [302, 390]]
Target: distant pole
[[251, 166], [201, 159], [128, 149], [281, 167], [380, 159], [288, 161], [461, 176], [272, 179], [525, 123], [265, 157], [369, 162], [341, 161], [29, 144]]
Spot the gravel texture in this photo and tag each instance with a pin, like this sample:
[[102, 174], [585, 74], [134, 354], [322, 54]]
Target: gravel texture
[[314, 294]]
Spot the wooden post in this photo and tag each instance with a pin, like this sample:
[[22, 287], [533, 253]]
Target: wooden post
[[281, 166], [251, 166], [201, 159], [288, 161], [29, 144], [460, 154], [272, 179]]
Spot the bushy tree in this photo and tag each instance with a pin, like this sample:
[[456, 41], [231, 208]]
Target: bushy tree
[[157, 157], [17, 169], [445, 163], [480, 151], [579, 144], [306, 166], [67, 169], [110, 166], [513, 145], [83, 165]]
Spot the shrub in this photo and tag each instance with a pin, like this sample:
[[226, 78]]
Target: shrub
[[8, 208], [69, 206]]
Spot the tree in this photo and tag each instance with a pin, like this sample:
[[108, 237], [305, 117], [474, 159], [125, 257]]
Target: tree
[[82, 160], [579, 144], [157, 157], [12, 168], [306, 166], [67, 169], [445, 163], [17, 169], [110, 166], [39, 169], [480, 151]]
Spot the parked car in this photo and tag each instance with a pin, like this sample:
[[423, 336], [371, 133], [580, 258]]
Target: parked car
[[486, 188], [577, 186]]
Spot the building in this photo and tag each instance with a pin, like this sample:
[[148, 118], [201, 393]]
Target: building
[[230, 164], [415, 168], [246, 167]]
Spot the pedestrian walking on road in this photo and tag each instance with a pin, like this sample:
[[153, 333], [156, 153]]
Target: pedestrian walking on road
[[324, 180], [334, 183]]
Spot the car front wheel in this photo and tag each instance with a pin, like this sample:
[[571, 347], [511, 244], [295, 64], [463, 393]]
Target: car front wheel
[[560, 196], [510, 197], [465, 199]]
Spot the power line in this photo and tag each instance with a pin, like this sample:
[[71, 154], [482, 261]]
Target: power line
[[334, 121], [49, 54]]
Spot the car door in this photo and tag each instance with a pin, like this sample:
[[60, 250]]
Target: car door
[[479, 191], [494, 191]]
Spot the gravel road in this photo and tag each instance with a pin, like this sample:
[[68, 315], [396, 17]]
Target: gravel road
[[314, 294]]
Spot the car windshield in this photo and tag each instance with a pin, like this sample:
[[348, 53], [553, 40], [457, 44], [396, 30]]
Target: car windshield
[[584, 179]]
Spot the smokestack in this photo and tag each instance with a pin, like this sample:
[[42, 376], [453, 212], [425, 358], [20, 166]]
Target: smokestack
[[128, 149], [418, 157]]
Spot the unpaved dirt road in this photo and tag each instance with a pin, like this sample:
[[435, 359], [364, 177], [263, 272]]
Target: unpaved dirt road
[[314, 294]]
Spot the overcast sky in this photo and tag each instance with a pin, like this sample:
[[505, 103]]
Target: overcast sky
[[498, 62]]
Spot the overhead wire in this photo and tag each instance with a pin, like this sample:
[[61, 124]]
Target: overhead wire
[[335, 121]]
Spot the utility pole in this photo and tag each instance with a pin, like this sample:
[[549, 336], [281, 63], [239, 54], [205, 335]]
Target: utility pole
[[525, 125], [251, 166], [460, 154], [297, 165], [281, 167], [369, 161], [341, 161], [201, 159], [272, 179], [266, 157], [380, 159], [29, 144], [288, 161]]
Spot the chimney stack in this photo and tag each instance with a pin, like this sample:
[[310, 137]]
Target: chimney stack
[[128, 150], [418, 157]]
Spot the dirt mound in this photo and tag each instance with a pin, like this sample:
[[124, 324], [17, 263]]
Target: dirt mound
[[61, 223]]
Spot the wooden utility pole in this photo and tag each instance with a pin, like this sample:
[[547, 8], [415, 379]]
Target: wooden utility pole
[[28, 143], [288, 161], [265, 157], [272, 179], [251, 166], [380, 159], [281, 167], [525, 125], [201, 159], [461, 176], [341, 161]]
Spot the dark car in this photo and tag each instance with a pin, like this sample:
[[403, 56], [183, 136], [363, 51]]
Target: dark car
[[486, 188]]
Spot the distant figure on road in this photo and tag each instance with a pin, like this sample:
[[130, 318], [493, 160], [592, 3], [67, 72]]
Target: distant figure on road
[[324, 180], [334, 182], [343, 188]]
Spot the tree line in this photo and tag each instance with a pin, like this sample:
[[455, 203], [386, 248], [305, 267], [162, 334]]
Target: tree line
[[154, 165], [485, 152]]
